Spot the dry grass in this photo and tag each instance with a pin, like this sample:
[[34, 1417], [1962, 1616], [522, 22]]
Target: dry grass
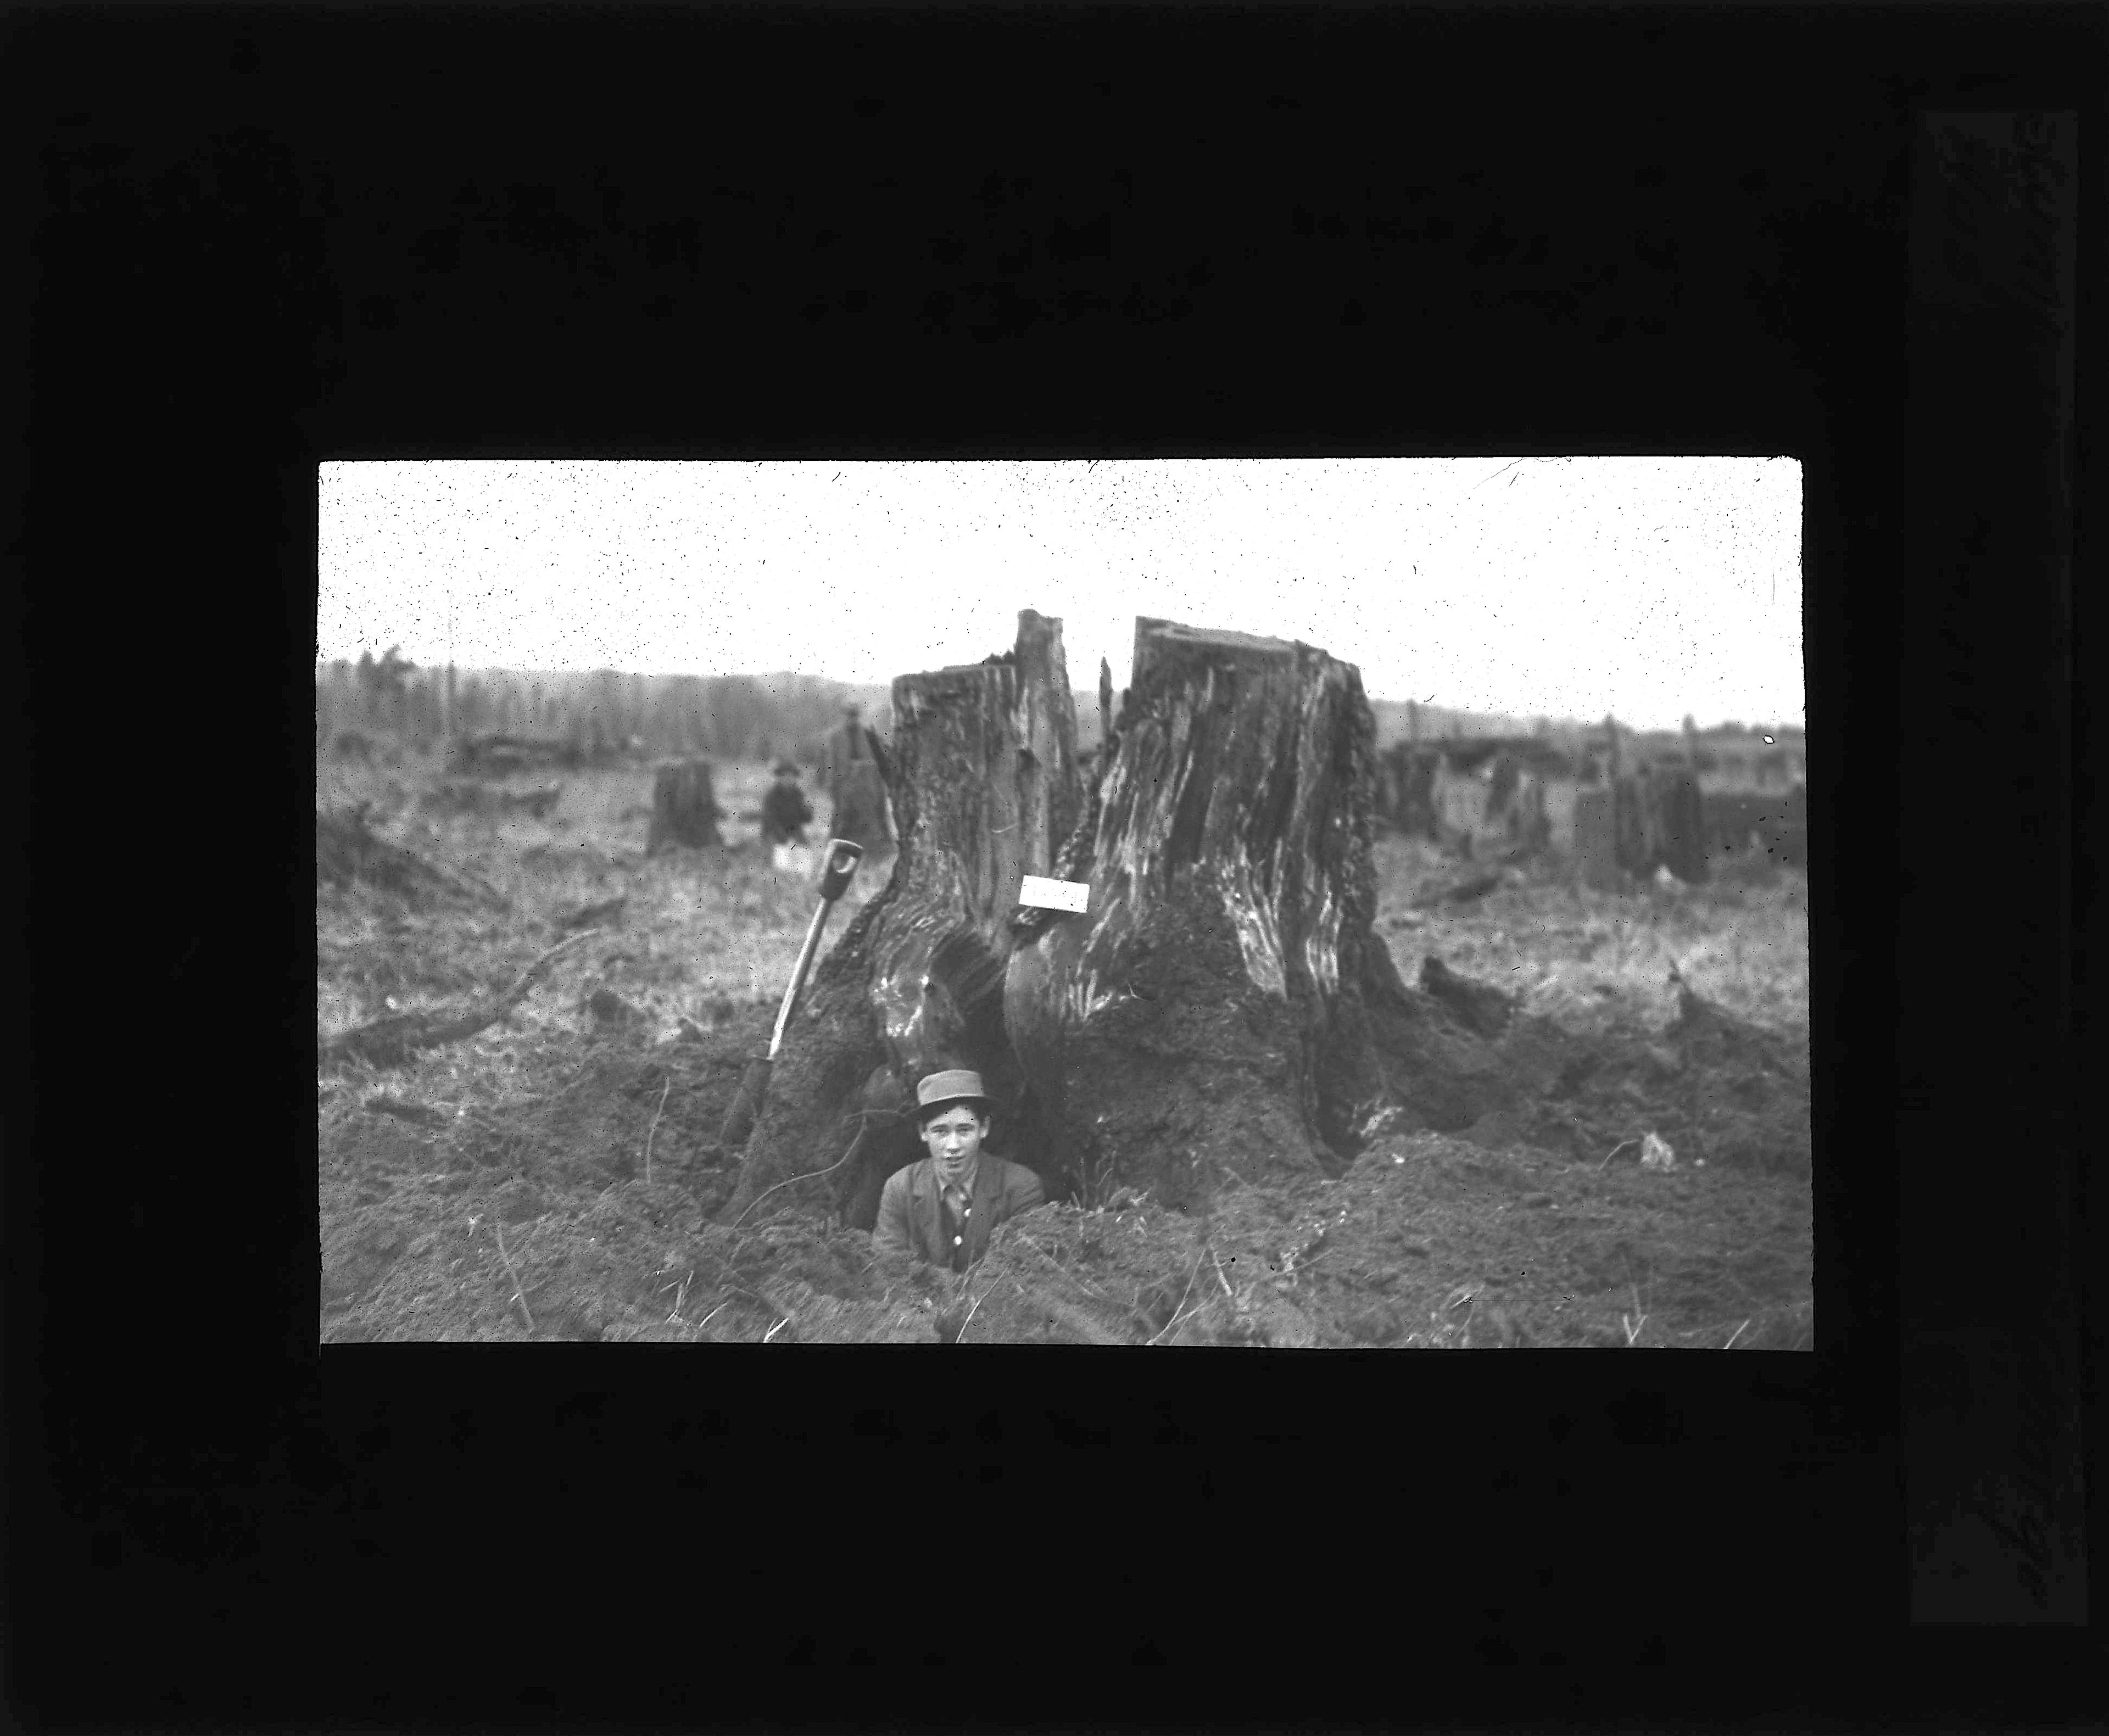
[[701, 932], [699, 929], [1590, 958]]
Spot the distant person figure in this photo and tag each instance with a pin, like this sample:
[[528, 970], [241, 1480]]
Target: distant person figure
[[942, 1208], [785, 813], [849, 768]]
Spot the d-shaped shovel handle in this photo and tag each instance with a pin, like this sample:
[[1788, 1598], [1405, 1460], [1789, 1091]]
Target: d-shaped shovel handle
[[842, 858]]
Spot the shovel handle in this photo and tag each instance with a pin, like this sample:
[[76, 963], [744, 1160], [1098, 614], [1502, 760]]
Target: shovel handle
[[842, 858]]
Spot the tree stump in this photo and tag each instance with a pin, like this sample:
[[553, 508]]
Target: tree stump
[[1220, 1009], [1660, 822], [1205, 1018], [984, 786], [684, 812], [1679, 814]]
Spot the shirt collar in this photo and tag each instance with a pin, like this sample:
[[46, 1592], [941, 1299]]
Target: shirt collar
[[965, 1184]]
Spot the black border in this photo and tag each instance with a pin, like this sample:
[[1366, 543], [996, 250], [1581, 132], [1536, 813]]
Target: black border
[[247, 254]]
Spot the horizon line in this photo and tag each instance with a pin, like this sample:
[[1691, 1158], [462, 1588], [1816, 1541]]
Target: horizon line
[[1524, 716]]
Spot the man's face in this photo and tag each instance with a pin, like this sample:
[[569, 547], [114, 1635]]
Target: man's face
[[954, 1136]]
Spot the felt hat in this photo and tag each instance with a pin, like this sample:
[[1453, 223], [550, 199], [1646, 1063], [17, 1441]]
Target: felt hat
[[785, 765], [949, 1087]]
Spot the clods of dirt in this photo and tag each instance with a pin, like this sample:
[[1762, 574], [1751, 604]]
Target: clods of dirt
[[536, 1216]]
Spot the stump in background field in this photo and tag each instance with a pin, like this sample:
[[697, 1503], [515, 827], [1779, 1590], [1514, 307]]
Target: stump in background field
[[684, 813], [983, 783], [1660, 822]]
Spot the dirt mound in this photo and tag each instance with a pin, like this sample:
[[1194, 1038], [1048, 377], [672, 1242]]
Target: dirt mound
[[1425, 1242], [400, 1182], [1502, 1227], [1720, 1090], [1484, 1011]]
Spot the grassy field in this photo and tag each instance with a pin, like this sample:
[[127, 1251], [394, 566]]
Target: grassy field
[[554, 1176], [698, 937], [695, 936]]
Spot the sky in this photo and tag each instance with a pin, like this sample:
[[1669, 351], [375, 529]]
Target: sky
[[1570, 587]]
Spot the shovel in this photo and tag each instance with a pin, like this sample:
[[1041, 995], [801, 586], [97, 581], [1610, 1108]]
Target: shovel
[[746, 1102]]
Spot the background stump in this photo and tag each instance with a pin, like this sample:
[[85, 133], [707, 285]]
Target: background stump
[[684, 813], [1661, 823]]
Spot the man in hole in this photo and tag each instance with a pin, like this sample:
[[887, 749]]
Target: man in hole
[[942, 1208]]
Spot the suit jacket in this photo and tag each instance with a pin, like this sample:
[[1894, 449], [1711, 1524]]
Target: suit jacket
[[842, 747], [911, 1216]]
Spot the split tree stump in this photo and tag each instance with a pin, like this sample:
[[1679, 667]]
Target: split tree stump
[[684, 813], [1221, 1011]]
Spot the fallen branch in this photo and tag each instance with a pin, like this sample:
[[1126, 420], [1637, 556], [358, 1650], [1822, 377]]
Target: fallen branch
[[969, 1319], [345, 852], [391, 1041], [656, 1113], [1614, 1151], [1176, 1317], [1466, 892], [519, 1289], [420, 1113], [1636, 1321], [592, 916], [864, 1121]]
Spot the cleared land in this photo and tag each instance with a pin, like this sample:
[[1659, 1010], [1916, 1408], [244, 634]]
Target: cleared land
[[556, 1174]]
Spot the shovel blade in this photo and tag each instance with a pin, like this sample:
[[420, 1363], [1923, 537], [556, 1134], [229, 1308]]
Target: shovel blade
[[746, 1107]]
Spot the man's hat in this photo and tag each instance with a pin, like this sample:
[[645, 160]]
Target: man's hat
[[851, 705], [944, 1088], [785, 765]]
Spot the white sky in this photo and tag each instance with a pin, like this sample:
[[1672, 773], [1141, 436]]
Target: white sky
[[1563, 587]]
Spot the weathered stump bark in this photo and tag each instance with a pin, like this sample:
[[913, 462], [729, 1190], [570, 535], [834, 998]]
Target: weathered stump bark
[[683, 811], [984, 781], [1221, 1008], [1205, 1018]]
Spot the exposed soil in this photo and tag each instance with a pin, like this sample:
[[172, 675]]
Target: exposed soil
[[1492, 1196], [1514, 1231]]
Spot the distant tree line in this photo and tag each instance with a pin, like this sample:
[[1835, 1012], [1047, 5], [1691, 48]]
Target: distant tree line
[[728, 717]]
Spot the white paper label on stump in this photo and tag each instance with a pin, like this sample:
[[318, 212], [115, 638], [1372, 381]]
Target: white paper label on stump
[[1055, 894]]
